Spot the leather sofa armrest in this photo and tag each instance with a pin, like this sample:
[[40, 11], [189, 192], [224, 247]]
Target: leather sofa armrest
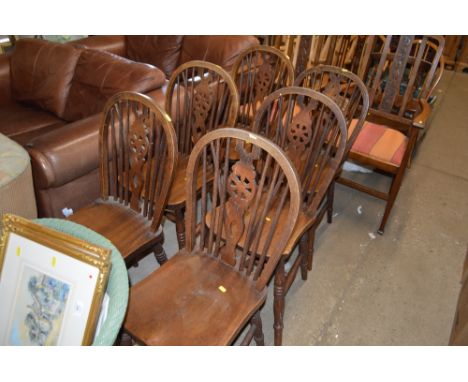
[[420, 119], [5, 86], [112, 44], [65, 154]]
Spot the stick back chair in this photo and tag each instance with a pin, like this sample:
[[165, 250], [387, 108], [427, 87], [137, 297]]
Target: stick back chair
[[399, 73], [210, 290], [258, 72], [200, 97], [350, 94], [138, 153], [311, 129]]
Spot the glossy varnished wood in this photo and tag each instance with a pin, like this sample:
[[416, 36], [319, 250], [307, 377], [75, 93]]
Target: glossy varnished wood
[[350, 94], [257, 72], [138, 160], [311, 129], [208, 303], [400, 73], [209, 291], [200, 97]]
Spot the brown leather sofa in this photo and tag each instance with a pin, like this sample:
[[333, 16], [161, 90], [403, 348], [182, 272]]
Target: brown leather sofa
[[51, 96], [169, 52]]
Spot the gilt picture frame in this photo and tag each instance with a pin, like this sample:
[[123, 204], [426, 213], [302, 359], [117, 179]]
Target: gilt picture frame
[[51, 285]]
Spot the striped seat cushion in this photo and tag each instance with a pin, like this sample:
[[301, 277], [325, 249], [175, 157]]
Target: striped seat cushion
[[379, 142]]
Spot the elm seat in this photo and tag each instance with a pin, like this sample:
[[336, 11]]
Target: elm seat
[[205, 295], [379, 142], [127, 241]]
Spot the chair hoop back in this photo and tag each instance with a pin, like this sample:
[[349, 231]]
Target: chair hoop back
[[138, 154], [310, 127], [257, 72], [200, 97], [399, 71], [345, 88], [252, 200]]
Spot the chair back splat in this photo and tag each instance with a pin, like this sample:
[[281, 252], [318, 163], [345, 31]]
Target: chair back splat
[[399, 71], [258, 72], [343, 87], [200, 97], [311, 128], [138, 154], [241, 203]]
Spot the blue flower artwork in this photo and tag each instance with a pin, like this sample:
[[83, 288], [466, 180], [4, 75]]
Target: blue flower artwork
[[39, 310]]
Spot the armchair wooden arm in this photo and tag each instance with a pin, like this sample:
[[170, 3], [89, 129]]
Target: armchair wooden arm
[[420, 119]]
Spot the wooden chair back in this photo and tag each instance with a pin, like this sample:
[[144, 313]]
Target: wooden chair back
[[399, 71], [342, 51], [310, 127], [242, 200], [257, 72], [138, 154], [200, 97], [345, 88]]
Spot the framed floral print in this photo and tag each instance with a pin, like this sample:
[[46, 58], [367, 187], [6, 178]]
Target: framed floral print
[[51, 285]]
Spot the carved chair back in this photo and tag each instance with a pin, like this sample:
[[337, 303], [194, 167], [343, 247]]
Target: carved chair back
[[345, 88], [398, 72], [342, 51], [200, 97], [138, 154], [310, 127], [241, 202], [258, 72]]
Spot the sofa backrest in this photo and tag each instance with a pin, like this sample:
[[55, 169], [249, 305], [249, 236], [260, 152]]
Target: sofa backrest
[[41, 73], [99, 75], [169, 52], [160, 51], [220, 50]]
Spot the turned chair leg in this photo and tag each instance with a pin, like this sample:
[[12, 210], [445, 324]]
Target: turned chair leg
[[278, 302], [258, 334], [330, 199], [303, 251], [310, 247], [180, 226], [159, 253], [124, 339]]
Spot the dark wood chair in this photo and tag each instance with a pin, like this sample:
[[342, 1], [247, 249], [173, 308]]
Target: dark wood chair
[[343, 51], [399, 73], [311, 129], [200, 97], [209, 291], [138, 152], [350, 94], [258, 72]]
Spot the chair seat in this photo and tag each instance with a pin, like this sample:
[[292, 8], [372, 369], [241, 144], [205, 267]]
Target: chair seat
[[193, 299], [303, 223], [178, 188], [128, 230], [379, 143]]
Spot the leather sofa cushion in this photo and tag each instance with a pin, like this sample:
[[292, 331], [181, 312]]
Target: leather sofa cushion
[[112, 44], [160, 51], [21, 122], [220, 50], [41, 73], [99, 75], [65, 154]]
